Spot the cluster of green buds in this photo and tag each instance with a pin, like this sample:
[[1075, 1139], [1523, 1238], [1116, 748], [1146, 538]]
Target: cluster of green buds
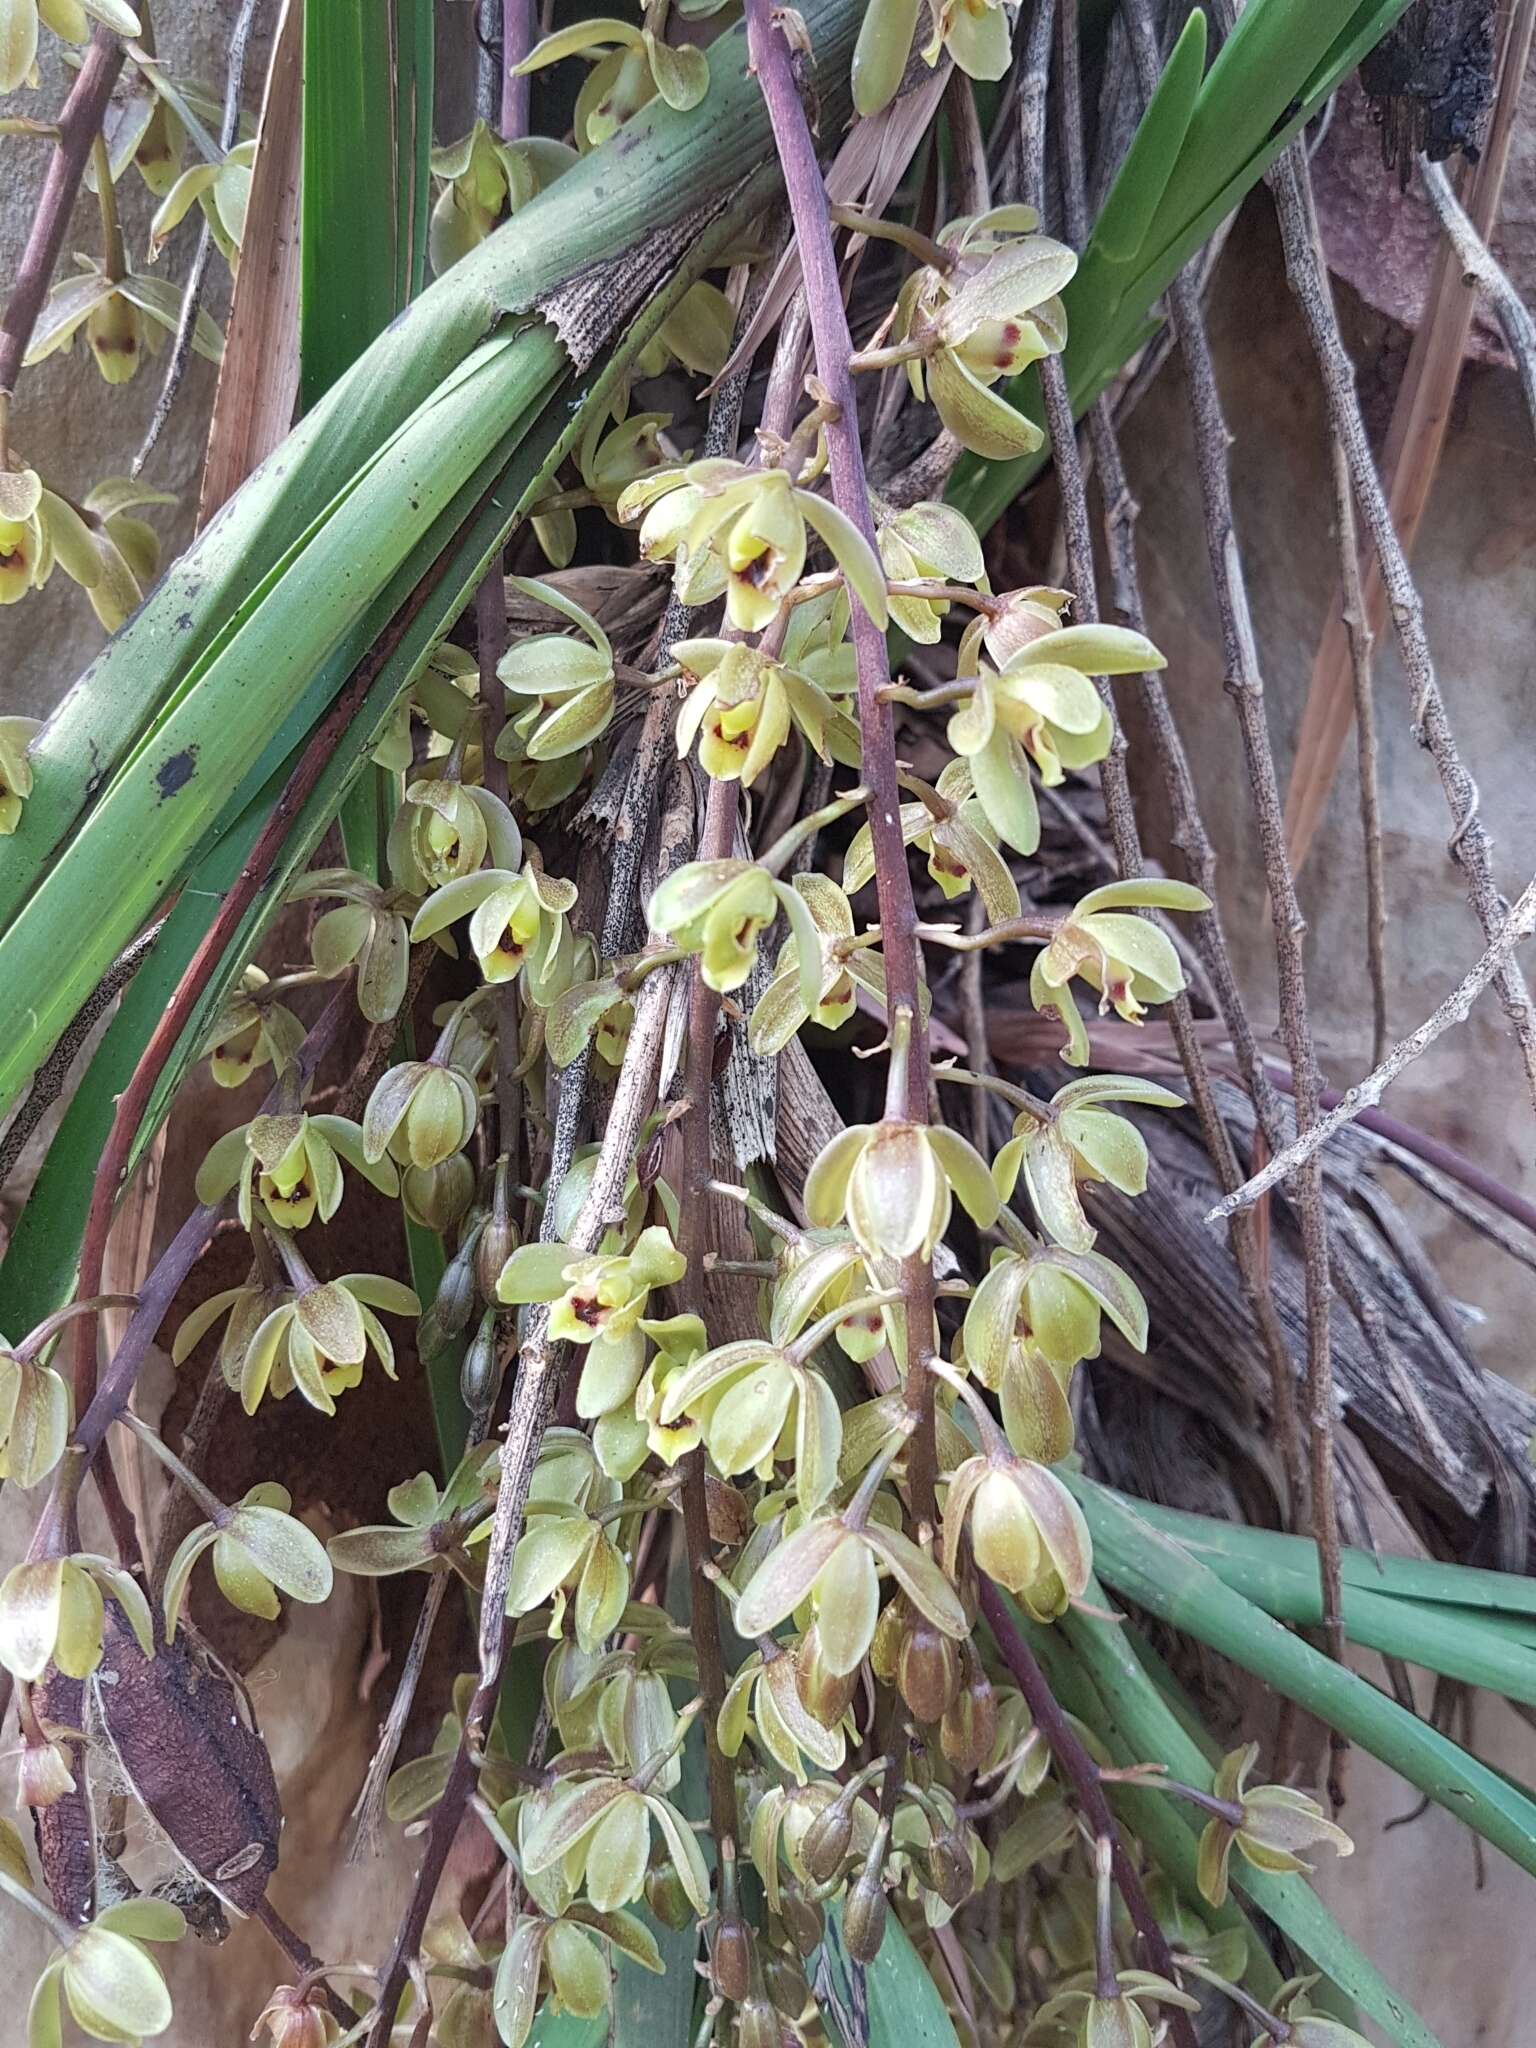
[[975, 33]]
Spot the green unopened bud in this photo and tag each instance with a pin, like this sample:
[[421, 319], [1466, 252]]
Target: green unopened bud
[[969, 1726], [827, 1839], [951, 1872], [804, 1919], [453, 1303], [927, 1669], [480, 1374], [665, 1896], [730, 1965], [865, 1910], [437, 1196]]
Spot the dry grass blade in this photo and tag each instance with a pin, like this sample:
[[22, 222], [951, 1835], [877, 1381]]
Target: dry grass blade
[[259, 376], [1411, 457]]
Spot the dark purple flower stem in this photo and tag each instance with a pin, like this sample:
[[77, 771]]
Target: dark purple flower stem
[[1082, 1776], [773, 64]]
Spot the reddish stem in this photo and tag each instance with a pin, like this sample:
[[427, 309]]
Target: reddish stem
[[78, 125], [1082, 1773], [833, 344]]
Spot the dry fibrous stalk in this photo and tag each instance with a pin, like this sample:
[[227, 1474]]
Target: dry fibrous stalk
[[813, 1360]]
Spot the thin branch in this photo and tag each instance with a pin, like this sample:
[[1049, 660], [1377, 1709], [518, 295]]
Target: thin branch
[[1188, 831], [78, 125], [1482, 268], [1518, 926], [1357, 626], [1245, 686], [1471, 846], [533, 1402], [197, 277], [517, 36]]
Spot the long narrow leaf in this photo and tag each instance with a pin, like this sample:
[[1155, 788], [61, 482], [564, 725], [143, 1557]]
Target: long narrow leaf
[[1146, 1566], [1151, 1730]]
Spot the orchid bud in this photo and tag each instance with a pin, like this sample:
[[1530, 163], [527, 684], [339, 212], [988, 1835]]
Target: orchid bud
[[480, 1374], [665, 1894], [827, 1839], [865, 1910], [438, 1196], [731, 1960], [758, 2025], [969, 1725], [950, 1869], [825, 1695], [927, 1669], [804, 1919]]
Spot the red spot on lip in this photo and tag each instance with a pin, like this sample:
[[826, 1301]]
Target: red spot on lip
[[587, 1310]]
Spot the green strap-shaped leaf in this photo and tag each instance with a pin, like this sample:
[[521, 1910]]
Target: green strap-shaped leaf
[[1150, 1730], [901, 1999], [1160, 1575]]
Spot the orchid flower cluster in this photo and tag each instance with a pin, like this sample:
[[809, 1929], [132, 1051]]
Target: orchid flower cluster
[[884, 1434]]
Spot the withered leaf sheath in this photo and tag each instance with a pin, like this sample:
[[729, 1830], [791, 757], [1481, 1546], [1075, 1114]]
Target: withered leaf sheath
[[183, 1735], [65, 1831]]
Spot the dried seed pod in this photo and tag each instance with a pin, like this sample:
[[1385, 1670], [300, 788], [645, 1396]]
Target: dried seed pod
[[183, 1736], [731, 1962], [969, 1725], [927, 1669]]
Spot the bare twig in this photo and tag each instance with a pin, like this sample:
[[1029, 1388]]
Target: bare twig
[[78, 126], [532, 1405], [1361, 641], [1518, 926], [1188, 827], [1483, 269], [197, 277], [1245, 685], [1471, 845]]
